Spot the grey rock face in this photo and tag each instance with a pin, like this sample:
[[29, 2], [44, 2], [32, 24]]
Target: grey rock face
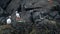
[[35, 3], [33, 12], [13, 6], [1, 11], [2, 16], [4, 3]]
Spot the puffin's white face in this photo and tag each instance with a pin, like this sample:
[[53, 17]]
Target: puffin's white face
[[16, 11], [9, 16]]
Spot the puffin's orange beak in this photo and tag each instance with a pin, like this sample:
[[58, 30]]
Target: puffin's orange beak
[[17, 18]]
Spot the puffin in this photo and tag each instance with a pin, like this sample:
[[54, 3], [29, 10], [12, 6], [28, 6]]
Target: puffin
[[9, 20], [17, 16]]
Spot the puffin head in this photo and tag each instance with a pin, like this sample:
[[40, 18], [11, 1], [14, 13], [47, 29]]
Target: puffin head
[[9, 16], [16, 11]]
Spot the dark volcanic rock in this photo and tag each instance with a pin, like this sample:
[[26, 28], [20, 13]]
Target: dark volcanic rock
[[1, 11], [4, 3], [35, 3], [13, 6], [34, 12], [2, 17]]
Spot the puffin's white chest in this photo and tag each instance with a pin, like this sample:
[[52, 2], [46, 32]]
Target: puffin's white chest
[[17, 15], [9, 21]]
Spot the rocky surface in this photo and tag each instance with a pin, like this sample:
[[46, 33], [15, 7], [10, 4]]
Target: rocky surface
[[13, 6], [4, 3], [41, 16]]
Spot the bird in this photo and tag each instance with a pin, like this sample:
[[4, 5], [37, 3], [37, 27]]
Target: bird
[[9, 20], [17, 16]]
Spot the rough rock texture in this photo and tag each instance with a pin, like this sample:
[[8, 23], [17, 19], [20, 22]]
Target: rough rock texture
[[41, 16], [2, 16], [4, 3], [35, 3], [13, 6], [1, 11]]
